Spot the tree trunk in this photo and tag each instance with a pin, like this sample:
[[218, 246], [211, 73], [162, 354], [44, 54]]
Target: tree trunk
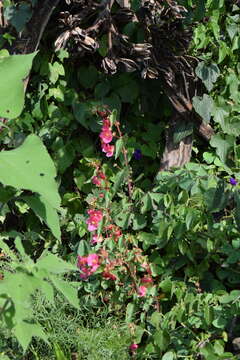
[[176, 155]]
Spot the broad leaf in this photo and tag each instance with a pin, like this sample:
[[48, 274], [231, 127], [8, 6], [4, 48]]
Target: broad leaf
[[208, 74], [18, 16], [45, 211], [26, 331], [222, 146], [30, 167], [68, 291], [54, 264], [203, 106], [13, 70]]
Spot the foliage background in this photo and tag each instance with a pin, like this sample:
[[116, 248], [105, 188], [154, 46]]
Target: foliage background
[[184, 222]]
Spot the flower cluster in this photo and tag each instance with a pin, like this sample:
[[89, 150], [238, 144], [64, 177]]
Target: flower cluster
[[106, 134], [113, 232], [88, 265], [95, 217], [98, 178]]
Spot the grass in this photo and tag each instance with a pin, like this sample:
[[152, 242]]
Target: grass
[[85, 334]]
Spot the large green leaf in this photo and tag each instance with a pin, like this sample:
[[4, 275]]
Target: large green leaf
[[203, 106], [223, 146], [13, 70], [45, 211], [68, 291], [18, 16], [208, 74], [54, 264], [30, 167], [26, 331]]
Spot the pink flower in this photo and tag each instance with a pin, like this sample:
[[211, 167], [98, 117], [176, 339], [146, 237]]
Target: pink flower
[[93, 261], [88, 265], [96, 181], [86, 272], [106, 135], [106, 123], [133, 347], [102, 175], [82, 260], [95, 216], [142, 291], [108, 149], [96, 239]]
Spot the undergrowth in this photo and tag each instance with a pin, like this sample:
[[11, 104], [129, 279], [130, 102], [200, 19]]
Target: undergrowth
[[85, 334]]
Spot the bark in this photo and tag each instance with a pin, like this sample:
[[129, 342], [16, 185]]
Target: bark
[[30, 39], [181, 86], [175, 155]]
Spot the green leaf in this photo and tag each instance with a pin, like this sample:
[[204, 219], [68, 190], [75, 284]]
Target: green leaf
[[54, 264], [139, 221], [182, 130], [130, 311], [223, 146], [216, 198], [123, 219], [208, 314], [119, 145], [13, 70], [80, 111], [128, 92], [88, 76], [208, 74], [30, 167], [69, 292], [18, 16], [168, 356], [120, 179], [19, 287], [156, 319], [65, 156], [161, 339], [5, 248], [203, 106], [200, 10], [45, 211], [47, 290], [24, 332], [55, 70]]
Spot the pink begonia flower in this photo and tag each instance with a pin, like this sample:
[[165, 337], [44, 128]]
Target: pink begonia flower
[[96, 239], [108, 149], [86, 272], [95, 216], [88, 265], [106, 136], [133, 347], [106, 123], [142, 290], [93, 261], [82, 260], [102, 175], [96, 181]]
